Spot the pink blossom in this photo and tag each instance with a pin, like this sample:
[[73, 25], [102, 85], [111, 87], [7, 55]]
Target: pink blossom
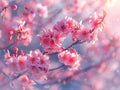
[[65, 26], [62, 26], [14, 7], [42, 11], [93, 37], [37, 9], [23, 82], [34, 63], [26, 35], [72, 24], [3, 3], [81, 34], [16, 63], [96, 20], [28, 11], [38, 63], [17, 23], [50, 2], [70, 58], [51, 40], [20, 32], [85, 34], [75, 6]]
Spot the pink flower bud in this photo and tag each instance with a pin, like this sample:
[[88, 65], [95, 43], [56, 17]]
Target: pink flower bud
[[15, 50], [14, 7]]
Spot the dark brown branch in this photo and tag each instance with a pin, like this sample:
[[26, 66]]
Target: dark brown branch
[[57, 67]]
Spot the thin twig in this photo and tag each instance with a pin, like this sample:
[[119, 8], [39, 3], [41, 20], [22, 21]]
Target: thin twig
[[57, 67]]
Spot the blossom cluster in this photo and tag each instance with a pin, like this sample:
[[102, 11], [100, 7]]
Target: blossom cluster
[[70, 58], [52, 39], [20, 28], [34, 63]]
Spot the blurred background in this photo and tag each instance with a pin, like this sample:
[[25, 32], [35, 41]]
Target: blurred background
[[100, 67]]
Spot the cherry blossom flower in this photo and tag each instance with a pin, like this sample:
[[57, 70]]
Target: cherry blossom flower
[[19, 32], [96, 20], [17, 23], [3, 3], [38, 63], [34, 63], [28, 11], [42, 11], [81, 34], [65, 26], [51, 40], [50, 2], [70, 58], [23, 82], [26, 35], [17, 64], [75, 6], [38, 9], [85, 34], [14, 7]]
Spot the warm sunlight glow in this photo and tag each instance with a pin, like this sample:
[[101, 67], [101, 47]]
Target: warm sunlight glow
[[110, 3]]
